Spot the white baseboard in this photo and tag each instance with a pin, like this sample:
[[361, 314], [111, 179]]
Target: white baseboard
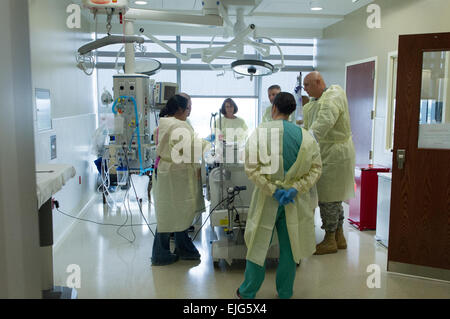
[[69, 229]]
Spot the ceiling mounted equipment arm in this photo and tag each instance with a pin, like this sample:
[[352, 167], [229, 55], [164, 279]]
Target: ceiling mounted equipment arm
[[228, 25], [164, 16], [108, 40], [281, 65], [237, 40], [263, 49], [215, 13], [168, 48]]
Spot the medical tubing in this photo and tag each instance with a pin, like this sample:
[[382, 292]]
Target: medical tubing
[[117, 59], [137, 135], [131, 182], [223, 200], [105, 185], [126, 220], [106, 190], [114, 106], [140, 208], [127, 198], [141, 170]]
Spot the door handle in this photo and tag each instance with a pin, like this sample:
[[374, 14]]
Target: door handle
[[401, 157]]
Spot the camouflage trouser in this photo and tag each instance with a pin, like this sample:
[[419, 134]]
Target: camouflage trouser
[[332, 215]]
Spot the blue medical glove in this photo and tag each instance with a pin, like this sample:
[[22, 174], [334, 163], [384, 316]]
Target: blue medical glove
[[285, 200], [211, 138], [279, 194], [289, 196]]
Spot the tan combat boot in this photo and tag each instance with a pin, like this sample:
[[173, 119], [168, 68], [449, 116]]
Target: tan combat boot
[[340, 239], [328, 245]]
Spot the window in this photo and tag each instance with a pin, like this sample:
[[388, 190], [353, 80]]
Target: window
[[207, 83], [434, 123], [202, 108], [165, 76], [207, 87]]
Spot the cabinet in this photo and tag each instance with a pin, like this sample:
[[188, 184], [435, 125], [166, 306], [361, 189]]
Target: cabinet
[[383, 207], [363, 208]]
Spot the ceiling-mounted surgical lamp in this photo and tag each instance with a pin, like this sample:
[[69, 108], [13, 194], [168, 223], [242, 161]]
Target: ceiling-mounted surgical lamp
[[252, 68], [215, 13], [147, 66]]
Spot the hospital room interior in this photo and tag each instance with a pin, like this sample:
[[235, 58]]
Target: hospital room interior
[[88, 184]]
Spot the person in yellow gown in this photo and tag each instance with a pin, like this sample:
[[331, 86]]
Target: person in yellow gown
[[327, 117], [231, 127], [176, 187]]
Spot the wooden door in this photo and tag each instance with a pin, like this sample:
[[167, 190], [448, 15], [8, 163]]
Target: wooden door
[[419, 234], [360, 85]]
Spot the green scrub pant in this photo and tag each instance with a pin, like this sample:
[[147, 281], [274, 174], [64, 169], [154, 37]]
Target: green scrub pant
[[254, 274]]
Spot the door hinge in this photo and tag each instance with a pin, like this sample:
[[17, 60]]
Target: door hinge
[[370, 155], [373, 75], [372, 114]]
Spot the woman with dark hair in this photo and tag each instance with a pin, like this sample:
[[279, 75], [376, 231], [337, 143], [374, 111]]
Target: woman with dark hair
[[232, 127], [176, 191], [284, 198]]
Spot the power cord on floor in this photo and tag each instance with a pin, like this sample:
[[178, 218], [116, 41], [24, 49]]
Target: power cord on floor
[[137, 199], [94, 222], [127, 198]]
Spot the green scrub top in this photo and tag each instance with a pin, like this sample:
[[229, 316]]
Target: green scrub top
[[292, 140]]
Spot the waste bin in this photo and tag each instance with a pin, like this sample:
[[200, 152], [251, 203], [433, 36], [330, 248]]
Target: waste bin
[[363, 208]]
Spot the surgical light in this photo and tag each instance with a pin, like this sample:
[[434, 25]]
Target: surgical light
[[141, 3], [315, 5], [147, 66], [244, 35], [252, 67]]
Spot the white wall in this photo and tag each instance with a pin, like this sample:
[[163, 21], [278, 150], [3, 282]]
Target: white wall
[[351, 40], [53, 49], [19, 232]]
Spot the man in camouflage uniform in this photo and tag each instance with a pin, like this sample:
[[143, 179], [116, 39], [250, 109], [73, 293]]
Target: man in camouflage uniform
[[327, 117]]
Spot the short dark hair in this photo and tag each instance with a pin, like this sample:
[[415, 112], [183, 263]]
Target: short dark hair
[[163, 112], [274, 87], [175, 102], [285, 103], [229, 100]]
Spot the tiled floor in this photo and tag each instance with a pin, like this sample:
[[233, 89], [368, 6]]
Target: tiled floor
[[112, 267]]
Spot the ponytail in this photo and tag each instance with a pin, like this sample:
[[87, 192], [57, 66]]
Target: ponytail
[[175, 102]]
